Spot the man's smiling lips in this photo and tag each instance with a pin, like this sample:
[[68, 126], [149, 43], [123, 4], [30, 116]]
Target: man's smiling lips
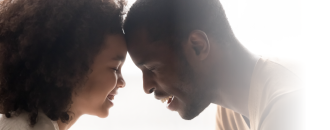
[[163, 99], [171, 101], [167, 99]]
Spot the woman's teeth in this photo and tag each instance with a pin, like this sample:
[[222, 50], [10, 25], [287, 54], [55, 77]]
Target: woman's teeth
[[111, 97], [166, 99]]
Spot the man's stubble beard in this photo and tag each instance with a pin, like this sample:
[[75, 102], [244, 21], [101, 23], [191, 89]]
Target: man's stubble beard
[[193, 90]]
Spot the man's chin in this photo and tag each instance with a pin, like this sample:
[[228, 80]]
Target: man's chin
[[188, 117], [193, 111], [189, 114]]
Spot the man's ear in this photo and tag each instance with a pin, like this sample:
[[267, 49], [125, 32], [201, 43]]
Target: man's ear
[[199, 43]]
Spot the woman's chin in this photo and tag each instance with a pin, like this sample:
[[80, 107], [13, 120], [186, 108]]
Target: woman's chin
[[102, 111], [103, 114]]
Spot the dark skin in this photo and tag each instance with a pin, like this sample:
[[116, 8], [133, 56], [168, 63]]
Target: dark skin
[[198, 72]]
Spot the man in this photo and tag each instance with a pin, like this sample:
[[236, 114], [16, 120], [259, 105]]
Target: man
[[190, 58]]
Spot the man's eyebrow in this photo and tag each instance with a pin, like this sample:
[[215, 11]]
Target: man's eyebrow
[[119, 58], [140, 64]]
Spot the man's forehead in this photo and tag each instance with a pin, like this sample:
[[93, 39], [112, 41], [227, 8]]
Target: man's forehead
[[139, 47], [139, 34], [143, 49], [141, 55], [142, 35], [140, 40]]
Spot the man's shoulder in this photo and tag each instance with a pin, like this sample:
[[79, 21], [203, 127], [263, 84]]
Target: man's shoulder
[[294, 66], [275, 76], [276, 92], [272, 66]]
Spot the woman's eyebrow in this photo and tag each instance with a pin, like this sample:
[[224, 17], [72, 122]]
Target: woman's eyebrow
[[119, 58]]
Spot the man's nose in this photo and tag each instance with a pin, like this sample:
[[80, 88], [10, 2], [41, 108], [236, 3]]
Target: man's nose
[[149, 85]]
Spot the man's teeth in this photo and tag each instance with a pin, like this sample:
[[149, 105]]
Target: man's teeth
[[166, 99]]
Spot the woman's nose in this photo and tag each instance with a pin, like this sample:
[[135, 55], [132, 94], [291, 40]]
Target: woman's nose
[[121, 82]]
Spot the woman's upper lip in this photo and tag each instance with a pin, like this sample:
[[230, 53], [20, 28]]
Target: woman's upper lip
[[113, 93]]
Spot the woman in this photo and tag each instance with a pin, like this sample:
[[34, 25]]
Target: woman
[[59, 59]]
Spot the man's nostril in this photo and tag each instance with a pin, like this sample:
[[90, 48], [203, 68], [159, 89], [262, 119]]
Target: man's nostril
[[151, 90]]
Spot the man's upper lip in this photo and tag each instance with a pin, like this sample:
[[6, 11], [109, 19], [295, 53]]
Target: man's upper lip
[[159, 97]]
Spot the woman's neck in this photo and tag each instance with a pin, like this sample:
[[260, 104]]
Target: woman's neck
[[74, 117]]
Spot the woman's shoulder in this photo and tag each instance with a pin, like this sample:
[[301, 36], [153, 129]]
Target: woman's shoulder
[[16, 122], [21, 122], [44, 123]]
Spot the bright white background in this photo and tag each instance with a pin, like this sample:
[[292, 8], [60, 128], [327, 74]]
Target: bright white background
[[296, 29]]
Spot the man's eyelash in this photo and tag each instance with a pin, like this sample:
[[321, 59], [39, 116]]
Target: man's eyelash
[[150, 68]]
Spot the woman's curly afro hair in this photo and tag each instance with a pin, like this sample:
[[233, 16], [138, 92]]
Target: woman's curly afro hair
[[46, 50]]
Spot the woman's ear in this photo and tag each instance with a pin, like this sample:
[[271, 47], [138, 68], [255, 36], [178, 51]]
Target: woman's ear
[[198, 43]]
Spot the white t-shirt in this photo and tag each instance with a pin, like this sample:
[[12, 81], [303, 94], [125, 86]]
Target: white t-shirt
[[21, 122], [277, 96], [276, 99]]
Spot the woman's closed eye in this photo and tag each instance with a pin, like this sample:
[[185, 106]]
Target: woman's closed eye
[[114, 69]]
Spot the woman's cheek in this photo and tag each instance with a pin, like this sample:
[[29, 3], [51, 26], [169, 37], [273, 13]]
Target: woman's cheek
[[113, 81]]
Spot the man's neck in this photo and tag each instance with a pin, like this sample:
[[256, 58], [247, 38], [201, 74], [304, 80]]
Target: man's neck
[[233, 77]]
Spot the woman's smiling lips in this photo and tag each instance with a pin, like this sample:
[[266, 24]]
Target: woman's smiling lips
[[112, 94], [111, 97]]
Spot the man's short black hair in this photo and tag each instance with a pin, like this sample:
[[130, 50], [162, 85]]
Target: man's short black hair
[[177, 18]]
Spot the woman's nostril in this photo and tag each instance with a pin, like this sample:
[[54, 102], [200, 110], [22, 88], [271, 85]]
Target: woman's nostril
[[151, 90], [121, 83]]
